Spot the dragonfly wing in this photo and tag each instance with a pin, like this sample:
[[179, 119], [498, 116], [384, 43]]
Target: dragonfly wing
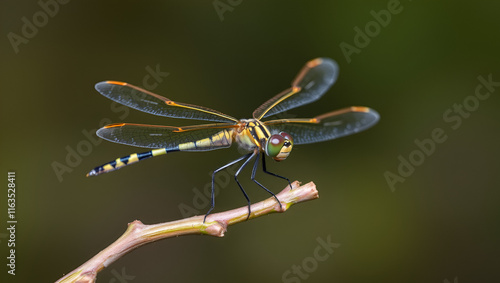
[[146, 101], [315, 78], [191, 138], [325, 127]]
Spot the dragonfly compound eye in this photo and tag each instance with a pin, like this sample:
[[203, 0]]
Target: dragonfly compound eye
[[287, 137], [279, 146]]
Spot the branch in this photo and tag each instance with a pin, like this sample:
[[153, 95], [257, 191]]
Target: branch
[[138, 234]]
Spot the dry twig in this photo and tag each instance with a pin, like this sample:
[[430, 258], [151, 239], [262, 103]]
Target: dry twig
[[138, 234]]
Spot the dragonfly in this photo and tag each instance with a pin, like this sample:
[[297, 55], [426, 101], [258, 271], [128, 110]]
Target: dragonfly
[[258, 136]]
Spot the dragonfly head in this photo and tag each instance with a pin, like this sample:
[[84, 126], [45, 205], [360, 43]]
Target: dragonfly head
[[279, 146]]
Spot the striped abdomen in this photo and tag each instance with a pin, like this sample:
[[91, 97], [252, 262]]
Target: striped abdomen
[[222, 139]]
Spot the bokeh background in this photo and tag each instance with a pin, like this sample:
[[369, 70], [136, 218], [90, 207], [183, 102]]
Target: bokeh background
[[440, 225]]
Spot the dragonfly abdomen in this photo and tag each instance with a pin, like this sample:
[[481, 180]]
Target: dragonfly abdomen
[[221, 139], [127, 160]]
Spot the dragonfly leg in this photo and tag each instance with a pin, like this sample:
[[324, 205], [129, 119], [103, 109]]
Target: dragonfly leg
[[213, 181], [252, 155], [254, 170], [270, 173]]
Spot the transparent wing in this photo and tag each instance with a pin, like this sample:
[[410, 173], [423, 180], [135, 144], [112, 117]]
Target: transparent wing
[[191, 138], [315, 78], [328, 126], [152, 103]]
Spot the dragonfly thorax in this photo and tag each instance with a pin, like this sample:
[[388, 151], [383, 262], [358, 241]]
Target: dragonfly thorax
[[254, 134]]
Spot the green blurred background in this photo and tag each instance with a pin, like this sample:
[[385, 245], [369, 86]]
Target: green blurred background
[[440, 224]]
